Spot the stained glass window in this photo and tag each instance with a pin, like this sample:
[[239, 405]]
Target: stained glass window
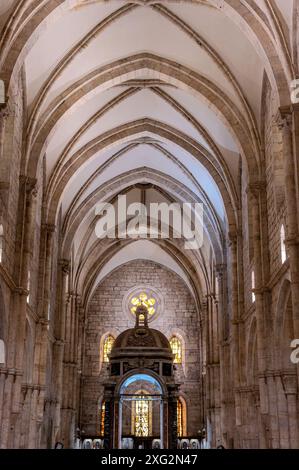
[[108, 344], [176, 346], [142, 411], [143, 299], [180, 418], [102, 419]]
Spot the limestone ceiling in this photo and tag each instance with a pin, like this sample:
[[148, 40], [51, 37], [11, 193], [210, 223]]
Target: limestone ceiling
[[170, 87]]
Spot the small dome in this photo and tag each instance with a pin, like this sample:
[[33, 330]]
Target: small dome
[[141, 341], [140, 338]]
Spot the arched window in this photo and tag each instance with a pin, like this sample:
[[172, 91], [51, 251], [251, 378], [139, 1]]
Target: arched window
[[176, 347], [108, 344], [283, 250], [181, 417], [253, 286], [1, 243], [102, 410], [28, 288]]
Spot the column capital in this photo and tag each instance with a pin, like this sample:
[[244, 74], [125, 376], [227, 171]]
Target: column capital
[[233, 238], [75, 296], [284, 118], [64, 265], [29, 185], [220, 269], [290, 384], [43, 322], [21, 291]]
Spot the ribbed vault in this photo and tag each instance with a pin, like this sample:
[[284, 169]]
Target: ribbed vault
[[109, 105]]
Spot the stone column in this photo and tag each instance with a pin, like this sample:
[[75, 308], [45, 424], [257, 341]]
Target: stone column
[[233, 245], [223, 335], [286, 125], [254, 191], [71, 369], [46, 269], [58, 347], [109, 434], [24, 252], [119, 419], [6, 415], [4, 114], [59, 327], [291, 392], [165, 424], [172, 417], [42, 330], [66, 385], [260, 291], [162, 423], [222, 301], [17, 324]]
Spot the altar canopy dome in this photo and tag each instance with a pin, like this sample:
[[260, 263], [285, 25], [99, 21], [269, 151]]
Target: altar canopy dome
[[141, 341], [145, 342]]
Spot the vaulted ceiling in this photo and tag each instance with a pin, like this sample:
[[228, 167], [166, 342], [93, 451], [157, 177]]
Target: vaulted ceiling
[[166, 94]]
